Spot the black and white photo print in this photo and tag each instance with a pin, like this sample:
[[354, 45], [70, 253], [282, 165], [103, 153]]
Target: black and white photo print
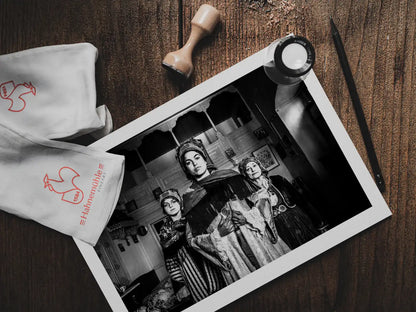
[[228, 186]]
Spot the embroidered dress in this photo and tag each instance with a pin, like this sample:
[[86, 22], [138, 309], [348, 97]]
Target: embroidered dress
[[214, 199], [292, 224], [185, 266]]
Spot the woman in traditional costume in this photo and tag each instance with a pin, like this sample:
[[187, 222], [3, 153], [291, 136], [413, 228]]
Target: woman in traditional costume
[[185, 266], [291, 223], [220, 223]]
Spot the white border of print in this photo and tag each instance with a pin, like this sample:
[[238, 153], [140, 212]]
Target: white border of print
[[377, 212]]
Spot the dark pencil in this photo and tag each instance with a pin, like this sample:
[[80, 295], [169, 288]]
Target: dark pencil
[[358, 108]]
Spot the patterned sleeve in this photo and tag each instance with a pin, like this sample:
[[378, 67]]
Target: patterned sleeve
[[167, 235], [205, 244]]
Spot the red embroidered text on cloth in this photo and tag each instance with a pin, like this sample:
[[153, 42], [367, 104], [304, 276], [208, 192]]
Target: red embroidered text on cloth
[[50, 91], [70, 188]]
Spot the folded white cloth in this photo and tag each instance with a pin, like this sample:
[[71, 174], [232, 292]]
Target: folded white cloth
[[50, 91], [70, 188]]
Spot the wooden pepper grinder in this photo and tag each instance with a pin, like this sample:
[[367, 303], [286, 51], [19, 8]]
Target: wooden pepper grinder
[[203, 23]]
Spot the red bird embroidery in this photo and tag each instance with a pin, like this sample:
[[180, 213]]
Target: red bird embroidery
[[65, 186], [14, 94]]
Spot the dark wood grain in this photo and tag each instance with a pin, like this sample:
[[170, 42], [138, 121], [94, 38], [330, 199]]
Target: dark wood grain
[[42, 270]]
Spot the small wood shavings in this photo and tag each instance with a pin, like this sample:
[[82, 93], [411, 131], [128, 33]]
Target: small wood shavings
[[276, 10], [282, 10]]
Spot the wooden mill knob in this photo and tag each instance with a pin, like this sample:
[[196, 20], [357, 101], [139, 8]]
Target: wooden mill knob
[[203, 23]]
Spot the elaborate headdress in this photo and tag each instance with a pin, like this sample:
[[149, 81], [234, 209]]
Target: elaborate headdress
[[242, 165], [173, 193], [196, 146]]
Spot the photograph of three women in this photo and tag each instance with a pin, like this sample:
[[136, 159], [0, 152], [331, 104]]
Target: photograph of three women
[[221, 189]]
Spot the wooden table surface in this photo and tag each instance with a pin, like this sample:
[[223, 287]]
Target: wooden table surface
[[42, 270]]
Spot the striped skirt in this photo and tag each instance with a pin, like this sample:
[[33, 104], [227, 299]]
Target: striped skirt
[[201, 277]]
